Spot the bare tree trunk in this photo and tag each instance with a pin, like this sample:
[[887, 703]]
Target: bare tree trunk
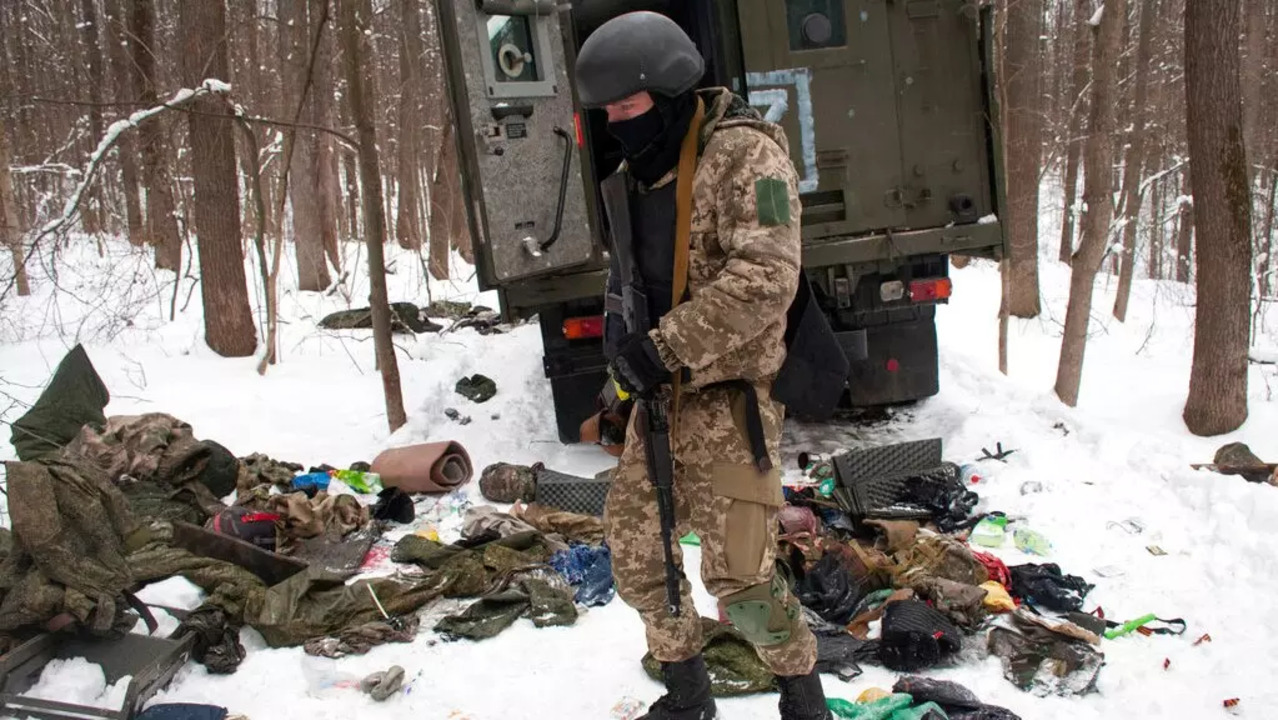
[[326, 167], [407, 221], [1265, 259], [351, 172], [442, 204], [1135, 164], [161, 222], [303, 190], [1184, 228], [90, 32], [1156, 231], [361, 94], [1023, 138], [10, 223], [1217, 401], [228, 322], [1074, 140], [1098, 198], [118, 39], [1253, 89]]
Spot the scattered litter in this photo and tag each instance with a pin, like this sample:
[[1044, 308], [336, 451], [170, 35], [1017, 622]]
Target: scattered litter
[[1000, 454], [1155, 550], [1031, 541], [1131, 526], [1166, 663], [990, 531], [384, 683], [455, 416], [477, 388], [1206, 637], [1031, 487], [1109, 571], [628, 708]]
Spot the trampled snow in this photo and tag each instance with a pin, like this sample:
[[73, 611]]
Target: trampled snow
[[1077, 476]]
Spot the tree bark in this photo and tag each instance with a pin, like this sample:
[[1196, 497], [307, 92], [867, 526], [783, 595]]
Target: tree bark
[[1253, 88], [1023, 140], [1135, 164], [442, 203], [407, 221], [326, 165], [303, 190], [10, 223], [1156, 230], [1217, 401], [1184, 228], [228, 322], [1078, 82], [356, 17], [126, 151], [1265, 259], [90, 36], [1098, 198], [161, 222]]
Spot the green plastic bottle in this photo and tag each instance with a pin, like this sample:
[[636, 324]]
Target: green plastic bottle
[[368, 483], [990, 531]]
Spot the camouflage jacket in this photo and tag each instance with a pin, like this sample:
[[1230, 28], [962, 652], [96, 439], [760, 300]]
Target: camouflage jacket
[[745, 250]]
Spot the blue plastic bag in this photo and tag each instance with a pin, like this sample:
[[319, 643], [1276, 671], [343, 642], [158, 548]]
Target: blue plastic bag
[[589, 569]]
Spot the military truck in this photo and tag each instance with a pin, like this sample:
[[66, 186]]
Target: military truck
[[889, 109]]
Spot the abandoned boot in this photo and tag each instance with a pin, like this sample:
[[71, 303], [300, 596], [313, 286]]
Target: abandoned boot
[[687, 692], [803, 698]]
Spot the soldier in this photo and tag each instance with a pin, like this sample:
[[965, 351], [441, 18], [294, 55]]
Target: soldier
[[725, 339]]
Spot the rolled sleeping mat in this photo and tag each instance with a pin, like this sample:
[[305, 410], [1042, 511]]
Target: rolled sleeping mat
[[425, 468]]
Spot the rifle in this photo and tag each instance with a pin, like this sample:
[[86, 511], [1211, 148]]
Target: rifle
[[653, 413]]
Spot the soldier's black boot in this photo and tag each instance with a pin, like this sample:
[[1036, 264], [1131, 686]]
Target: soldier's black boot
[[802, 698], [687, 692]]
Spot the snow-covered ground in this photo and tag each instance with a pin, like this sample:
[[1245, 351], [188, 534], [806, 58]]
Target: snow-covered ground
[[1075, 476]]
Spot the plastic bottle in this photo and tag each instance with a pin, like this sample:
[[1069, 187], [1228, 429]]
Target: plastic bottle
[[970, 474], [1031, 541]]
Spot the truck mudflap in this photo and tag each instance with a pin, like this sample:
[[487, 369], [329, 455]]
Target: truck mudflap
[[900, 363]]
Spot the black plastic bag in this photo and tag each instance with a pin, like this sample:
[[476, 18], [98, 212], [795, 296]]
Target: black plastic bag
[[1045, 586], [829, 590]]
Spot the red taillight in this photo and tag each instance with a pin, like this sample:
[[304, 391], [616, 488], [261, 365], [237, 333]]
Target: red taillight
[[576, 123], [581, 328], [926, 290]]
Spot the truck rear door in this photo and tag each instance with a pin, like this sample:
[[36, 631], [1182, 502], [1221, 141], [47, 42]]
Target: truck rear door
[[519, 138], [883, 106]]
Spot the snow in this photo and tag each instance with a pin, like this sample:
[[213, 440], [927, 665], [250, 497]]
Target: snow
[[1102, 481], [1095, 20], [988, 219], [80, 682]]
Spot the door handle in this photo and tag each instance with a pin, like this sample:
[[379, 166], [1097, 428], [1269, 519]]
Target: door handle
[[533, 247]]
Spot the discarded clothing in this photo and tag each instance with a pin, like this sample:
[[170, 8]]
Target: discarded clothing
[[994, 568], [871, 609], [435, 467], [522, 594], [508, 483], [940, 556], [217, 639], [383, 683], [915, 636], [962, 604], [72, 529], [155, 447], [996, 598], [734, 666], [483, 320], [256, 528], [941, 492], [897, 535], [394, 505], [258, 469], [828, 589], [74, 397], [332, 516], [1043, 661], [589, 570], [838, 651], [572, 527], [477, 388], [1045, 586], [956, 700], [360, 639], [405, 318]]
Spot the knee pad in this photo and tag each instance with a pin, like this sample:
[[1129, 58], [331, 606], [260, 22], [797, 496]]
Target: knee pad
[[765, 614]]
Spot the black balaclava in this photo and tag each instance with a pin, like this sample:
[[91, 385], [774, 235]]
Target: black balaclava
[[651, 141]]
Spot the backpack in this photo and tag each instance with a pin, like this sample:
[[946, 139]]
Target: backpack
[[815, 372]]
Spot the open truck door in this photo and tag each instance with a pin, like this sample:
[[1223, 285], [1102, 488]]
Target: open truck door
[[520, 140]]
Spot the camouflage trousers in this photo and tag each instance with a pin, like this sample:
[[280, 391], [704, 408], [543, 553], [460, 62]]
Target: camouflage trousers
[[721, 496]]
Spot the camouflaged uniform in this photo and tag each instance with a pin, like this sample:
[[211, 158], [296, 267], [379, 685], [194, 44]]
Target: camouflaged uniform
[[743, 273]]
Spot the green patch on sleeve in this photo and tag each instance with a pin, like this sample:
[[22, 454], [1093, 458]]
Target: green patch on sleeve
[[772, 201]]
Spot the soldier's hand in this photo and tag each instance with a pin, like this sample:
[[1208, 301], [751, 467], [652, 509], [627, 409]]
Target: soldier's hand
[[637, 366]]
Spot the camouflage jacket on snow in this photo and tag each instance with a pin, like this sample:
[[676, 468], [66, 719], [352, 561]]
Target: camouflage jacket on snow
[[745, 250]]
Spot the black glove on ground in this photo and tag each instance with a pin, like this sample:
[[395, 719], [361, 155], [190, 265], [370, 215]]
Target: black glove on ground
[[637, 367]]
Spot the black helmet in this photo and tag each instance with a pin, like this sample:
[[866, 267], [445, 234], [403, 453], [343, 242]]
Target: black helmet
[[634, 52]]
